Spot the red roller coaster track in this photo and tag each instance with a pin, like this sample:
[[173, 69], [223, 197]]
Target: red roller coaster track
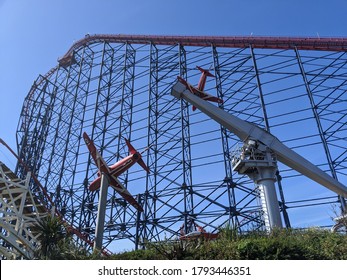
[[300, 43], [274, 43]]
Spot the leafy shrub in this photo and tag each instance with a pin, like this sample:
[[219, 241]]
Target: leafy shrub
[[284, 244], [281, 244]]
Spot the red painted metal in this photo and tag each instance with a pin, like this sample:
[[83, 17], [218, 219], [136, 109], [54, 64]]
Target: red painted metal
[[300, 43], [70, 228], [113, 171]]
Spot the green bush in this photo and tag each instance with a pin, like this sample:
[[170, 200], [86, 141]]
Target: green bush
[[313, 244], [284, 244], [149, 254]]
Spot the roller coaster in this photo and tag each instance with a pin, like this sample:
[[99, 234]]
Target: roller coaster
[[118, 86]]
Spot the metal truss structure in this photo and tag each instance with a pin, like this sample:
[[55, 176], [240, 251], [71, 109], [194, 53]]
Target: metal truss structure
[[20, 211], [115, 86]]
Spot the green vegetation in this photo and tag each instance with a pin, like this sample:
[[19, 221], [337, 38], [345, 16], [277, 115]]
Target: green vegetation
[[313, 244], [284, 244], [56, 243]]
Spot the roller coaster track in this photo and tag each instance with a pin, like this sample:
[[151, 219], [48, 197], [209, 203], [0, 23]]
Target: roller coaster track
[[20, 211], [299, 43], [275, 43], [324, 44]]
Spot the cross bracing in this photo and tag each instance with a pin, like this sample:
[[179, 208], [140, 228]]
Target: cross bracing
[[114, 86]]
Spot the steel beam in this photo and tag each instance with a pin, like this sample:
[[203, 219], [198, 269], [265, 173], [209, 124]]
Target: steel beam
[[245, 130]]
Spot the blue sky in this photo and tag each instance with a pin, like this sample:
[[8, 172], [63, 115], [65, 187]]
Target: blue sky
[[33, 34]]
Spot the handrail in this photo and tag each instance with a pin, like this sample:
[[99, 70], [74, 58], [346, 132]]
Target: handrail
[[300, 43]]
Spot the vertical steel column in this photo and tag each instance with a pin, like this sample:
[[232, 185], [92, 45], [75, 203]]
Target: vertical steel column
[[91, 197], [125, 123], [82, 89], [32, 149], [267, 128], [100, 118], [104, 101], [321, 131], [264, 177], [100, 223], [97, 85], [126, 110], [150, 195], [87, 218], [71, 145], [186, 152], [260, 90], [58, 152], [112, 122], [225, 135]]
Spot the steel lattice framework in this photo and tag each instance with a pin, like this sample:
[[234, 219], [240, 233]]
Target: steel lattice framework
[[115, 86]]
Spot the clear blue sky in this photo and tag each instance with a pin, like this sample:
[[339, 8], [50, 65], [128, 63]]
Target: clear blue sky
[[33, 34]]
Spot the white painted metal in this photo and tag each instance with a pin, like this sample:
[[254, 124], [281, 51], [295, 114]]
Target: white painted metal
[[260, 164], [268, 197], [246, 130], [20, 210], [100, 223]]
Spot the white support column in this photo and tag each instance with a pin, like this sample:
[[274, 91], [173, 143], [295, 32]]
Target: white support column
[[266, 183], [259, 163], [20, 210], [245, 130], [100, 223]]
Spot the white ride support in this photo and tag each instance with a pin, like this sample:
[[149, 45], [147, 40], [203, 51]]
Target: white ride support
[[20, 210], [246, 131], [260, 164], [100, 223]]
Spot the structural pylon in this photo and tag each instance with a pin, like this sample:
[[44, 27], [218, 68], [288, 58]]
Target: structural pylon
[[260, 164], [20, 212]]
